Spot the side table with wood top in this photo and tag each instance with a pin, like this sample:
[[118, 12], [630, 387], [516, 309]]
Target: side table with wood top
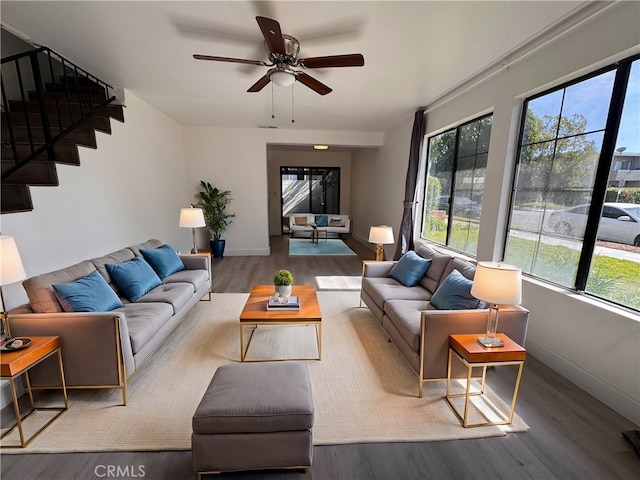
[[18, 362], [472, 354]]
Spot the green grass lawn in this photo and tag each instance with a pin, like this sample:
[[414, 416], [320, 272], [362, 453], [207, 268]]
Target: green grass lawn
[[613, 279]]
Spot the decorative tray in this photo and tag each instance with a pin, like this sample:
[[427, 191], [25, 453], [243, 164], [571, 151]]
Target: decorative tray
[[7, 347]]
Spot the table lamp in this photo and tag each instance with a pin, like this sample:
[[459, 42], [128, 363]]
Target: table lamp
[[380, 235], [11, 271], [192, 218], [497, 284]]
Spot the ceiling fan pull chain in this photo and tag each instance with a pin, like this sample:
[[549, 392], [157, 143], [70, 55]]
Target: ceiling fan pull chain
[[292, 113], [272, 112]]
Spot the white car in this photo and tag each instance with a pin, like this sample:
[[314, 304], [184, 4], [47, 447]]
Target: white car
[[620, 222]]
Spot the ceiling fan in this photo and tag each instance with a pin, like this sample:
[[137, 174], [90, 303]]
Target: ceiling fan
[[283, 58]]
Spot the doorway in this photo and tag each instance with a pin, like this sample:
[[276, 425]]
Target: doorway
[[309, 190]]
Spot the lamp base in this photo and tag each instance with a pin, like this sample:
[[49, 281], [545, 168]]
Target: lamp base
[[490, 342]]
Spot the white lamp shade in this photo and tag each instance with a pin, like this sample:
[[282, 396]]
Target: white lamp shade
[[497, 283], [381, 234], [282, 79], [11, 269], [191, 217]]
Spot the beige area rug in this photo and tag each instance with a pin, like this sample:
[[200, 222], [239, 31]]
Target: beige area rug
[[363, 389]]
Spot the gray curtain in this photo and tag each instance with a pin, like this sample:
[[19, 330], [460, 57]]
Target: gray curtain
[[405, 236]]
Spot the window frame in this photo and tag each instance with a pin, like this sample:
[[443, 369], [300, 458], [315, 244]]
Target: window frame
[[452, 179], [622, 70]]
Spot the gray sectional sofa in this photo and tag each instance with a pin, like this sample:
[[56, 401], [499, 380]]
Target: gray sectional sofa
[[101, 349], [416, 326]]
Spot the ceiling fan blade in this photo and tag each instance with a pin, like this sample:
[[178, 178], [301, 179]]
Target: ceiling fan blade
[[230, 60], [351, 60], [260, 84], [313, 84], [272, 35]]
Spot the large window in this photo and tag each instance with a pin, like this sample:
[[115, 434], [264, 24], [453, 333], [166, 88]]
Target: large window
[[456, 165], [575, 216]]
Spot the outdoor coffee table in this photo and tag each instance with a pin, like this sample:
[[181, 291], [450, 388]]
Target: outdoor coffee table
[[255, 313]]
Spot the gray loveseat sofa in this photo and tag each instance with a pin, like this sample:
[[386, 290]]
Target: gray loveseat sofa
[[418, 328], [101, 349]]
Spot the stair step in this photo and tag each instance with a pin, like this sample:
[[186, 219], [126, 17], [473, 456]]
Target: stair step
[[15, 199], [73, 87], [19, 119], [36, 172], [112, 111], [85, 137], [62, 98], [65, 154]]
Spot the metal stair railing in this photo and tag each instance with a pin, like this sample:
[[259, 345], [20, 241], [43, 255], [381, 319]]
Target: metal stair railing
[[31, 70]]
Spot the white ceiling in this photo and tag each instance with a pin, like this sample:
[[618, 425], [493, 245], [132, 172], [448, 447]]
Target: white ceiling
[[414, 51]]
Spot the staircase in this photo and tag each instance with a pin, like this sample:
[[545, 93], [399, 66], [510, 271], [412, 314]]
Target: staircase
[[43, 125]]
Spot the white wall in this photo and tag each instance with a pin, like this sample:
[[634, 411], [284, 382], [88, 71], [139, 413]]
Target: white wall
[[597, 348], [236, 160], [126, 191]]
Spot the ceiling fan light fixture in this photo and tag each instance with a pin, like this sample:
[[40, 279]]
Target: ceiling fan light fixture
[[283, 78]]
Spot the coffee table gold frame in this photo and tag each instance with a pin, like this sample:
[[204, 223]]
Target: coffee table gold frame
[[255, 314]]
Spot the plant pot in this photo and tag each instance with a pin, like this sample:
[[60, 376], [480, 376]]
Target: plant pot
[[217, 248], [282, 292]]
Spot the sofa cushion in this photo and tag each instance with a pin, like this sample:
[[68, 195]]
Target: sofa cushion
[[321, 220], [41, 294], [435, 273], [406, 317], [164, 260], [153, 243], [336, 222], [302, 221], [175, 294], [454, 293], [410, 269], [144, 320], [134, 278], [197, 278], [381, 289], [115, 257], [87, 294]]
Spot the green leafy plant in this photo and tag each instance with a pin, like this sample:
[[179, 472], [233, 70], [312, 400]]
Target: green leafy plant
[[214, 203], [282, 278]]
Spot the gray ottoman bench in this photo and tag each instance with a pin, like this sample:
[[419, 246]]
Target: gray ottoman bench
[[254, 416]]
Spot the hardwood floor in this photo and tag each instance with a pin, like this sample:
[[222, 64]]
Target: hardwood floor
[[572, 435]]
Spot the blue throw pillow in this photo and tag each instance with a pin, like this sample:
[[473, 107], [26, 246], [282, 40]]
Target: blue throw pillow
[[87, 294], [410, 269], [164, 260], [454, 293], [134, 277], [322, 220]]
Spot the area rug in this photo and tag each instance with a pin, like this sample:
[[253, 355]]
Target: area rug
[[331, 246], [363, 389]]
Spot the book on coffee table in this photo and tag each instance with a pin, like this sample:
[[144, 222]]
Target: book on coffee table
[[293, 303]]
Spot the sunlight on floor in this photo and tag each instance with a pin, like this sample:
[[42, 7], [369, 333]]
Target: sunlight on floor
[[339, 282]]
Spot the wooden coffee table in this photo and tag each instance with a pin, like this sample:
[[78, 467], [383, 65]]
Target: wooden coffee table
[[255, 313]]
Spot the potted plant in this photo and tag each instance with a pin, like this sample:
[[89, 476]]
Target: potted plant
[[214, 203], [282, 282]]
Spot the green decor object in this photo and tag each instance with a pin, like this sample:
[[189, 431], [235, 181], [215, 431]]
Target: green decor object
[[214, 203], [282, 282], [282, 277]]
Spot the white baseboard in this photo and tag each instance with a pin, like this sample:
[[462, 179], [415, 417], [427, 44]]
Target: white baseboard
[[616, 399]]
